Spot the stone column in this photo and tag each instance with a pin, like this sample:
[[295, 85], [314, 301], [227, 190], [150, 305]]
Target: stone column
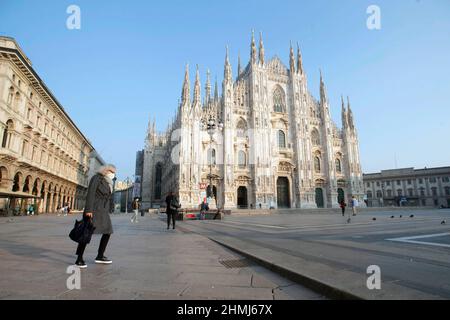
[[44, 203], [2, 130], [52, 196]]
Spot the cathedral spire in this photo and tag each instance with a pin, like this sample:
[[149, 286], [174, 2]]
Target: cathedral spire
[[227, 74], [149, 125], [150, 132], [197, 94], [343, 114], [239, 65], [261, 49], [299, 60], [349, 114], [253, 49], [185, 94], [216, 92], [291, 60], [323, 91], [207, 88]]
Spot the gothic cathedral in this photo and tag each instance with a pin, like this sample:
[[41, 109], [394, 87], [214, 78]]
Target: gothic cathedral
[[265, 142]]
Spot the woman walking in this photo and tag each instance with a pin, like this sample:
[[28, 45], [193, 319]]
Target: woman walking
[[355, 204], [343, 205], [99, 204], [172, 206], [136, 206], [204, 208]]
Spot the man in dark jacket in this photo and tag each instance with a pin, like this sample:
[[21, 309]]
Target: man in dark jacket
[[99, 204], [136, 205], [172, 207]]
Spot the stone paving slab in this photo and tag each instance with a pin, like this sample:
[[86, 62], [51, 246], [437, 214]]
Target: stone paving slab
[[338, 282], [331, 256], [149, 262]]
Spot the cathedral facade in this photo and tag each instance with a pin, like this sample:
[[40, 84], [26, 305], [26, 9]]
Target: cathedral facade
[[274, 145]]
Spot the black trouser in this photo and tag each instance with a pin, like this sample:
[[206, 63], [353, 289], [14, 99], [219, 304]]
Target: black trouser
[[171, 215], [343, 211], [101, 248]]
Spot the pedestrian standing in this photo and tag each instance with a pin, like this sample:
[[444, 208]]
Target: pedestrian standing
[[30, 210], [204, 208], [99, 204], [172, 206], [135, 205], [354, 205], [343, 205]]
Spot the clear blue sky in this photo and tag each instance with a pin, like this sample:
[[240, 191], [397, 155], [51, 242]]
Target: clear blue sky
[[127, 63]]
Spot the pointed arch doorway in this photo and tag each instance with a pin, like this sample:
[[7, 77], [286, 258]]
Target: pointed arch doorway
[[283, 198], [242, 198], [319, 198], [341, 195]]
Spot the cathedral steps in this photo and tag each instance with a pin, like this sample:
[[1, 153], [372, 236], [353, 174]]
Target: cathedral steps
[[318, 210]]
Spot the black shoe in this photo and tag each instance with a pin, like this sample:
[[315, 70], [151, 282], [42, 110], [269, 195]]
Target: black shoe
[[81, 264], [102, 260], [173, 228]]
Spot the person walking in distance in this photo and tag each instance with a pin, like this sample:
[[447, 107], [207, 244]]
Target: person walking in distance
[[343, 205], [204, 208], [172, 206], [354, 205], [99, 204], [136, 206]]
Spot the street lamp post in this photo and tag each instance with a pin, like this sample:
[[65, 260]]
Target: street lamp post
[[114, 193], [126, 196], [211, 126]]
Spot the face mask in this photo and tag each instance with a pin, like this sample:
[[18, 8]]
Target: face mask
[[110, 175]]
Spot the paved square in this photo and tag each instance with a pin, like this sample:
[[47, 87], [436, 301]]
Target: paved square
[[149, 262], [413, 253]]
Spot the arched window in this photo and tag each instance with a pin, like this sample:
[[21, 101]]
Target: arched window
[[241, 129], [10, 95], [158, 178], [447, 191], [7, 134], [17, 181], [317, 164], [379, 194], [315, 138], [281, 139], [369, 194], [434, 191], [242, 159], [338, 166], [16, 100], [212, 156], [279, 100]]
